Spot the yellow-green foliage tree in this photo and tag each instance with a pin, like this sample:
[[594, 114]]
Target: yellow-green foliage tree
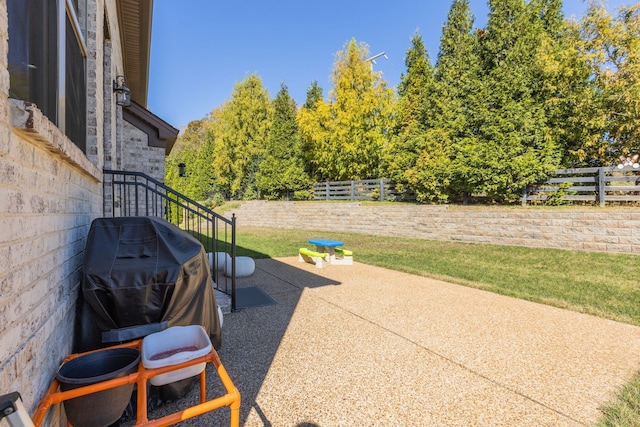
[[240, 131], [311, 118], [347, 133], [569, 95], [611, 46], [502, 107], [193, 148]]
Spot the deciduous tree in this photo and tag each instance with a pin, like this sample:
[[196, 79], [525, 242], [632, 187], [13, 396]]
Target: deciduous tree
[[612, 49]]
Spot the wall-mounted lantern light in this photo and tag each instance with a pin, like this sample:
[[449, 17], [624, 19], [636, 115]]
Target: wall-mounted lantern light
[[182, 170], [123, 93]]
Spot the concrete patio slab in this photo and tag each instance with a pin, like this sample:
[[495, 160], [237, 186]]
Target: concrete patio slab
[[361, 345]]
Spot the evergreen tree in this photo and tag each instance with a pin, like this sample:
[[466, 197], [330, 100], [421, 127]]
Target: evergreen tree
[[457, 70], [314, 95], [193, 148], [282, 169], [457, 94], [512, 148], [408, 143], [452, 105], [240, 134], [200, 173], [414, 86]]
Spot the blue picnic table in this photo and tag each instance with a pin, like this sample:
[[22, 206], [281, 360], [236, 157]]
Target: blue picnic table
[[328, 246]]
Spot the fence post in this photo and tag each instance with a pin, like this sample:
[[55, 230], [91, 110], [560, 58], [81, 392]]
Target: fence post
[[353, 190], [326, 190], [524, 196], [601, 186], [381, 190]]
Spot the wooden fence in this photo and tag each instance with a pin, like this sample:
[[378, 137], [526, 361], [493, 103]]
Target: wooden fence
[[368, 189], [592, 185], [598, 185]]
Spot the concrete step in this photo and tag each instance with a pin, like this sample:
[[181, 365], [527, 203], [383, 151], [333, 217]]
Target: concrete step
[[224, 301]]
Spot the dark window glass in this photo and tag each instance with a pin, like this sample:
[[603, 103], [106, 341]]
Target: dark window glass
[[33, 61], [75, 90], [80, 11]]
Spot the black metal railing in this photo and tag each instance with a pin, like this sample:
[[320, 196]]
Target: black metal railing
[[137, 194]]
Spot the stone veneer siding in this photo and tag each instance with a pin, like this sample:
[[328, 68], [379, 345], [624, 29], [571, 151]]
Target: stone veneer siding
[[585, 229]]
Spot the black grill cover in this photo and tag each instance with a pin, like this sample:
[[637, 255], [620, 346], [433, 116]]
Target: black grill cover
[[143, 271]]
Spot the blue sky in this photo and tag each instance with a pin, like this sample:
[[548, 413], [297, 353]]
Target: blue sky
[[201, 48]]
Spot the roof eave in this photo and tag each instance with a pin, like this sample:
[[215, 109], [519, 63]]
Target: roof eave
[[135, 17]]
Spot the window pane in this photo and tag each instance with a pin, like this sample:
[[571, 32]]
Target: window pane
[[76, 90], [18, 49], [33, 53], [79, 8]]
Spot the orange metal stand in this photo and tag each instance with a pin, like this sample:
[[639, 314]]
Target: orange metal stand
[[231, 399]]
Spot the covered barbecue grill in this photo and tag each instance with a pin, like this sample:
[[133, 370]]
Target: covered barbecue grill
[[142, 275]]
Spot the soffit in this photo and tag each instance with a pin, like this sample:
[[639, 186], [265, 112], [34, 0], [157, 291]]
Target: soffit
[[134, 17]]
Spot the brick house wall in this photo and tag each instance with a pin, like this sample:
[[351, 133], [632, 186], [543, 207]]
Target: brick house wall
[[141, 156], [50, 192], [50, 195]]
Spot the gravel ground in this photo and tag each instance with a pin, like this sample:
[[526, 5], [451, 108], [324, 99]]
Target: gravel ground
[[364, 346]]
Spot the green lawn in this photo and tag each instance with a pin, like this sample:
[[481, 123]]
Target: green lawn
[[602, 284]]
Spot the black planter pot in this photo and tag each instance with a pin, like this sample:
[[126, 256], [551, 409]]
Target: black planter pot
[[105, 407]]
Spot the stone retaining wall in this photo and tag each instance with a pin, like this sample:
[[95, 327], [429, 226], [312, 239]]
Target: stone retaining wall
[[585, 229]]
